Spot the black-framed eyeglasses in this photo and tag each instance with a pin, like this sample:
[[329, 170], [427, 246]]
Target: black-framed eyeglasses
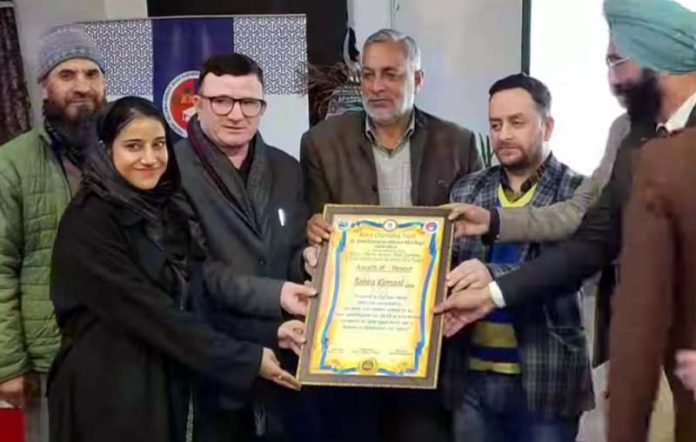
[[222, 105]]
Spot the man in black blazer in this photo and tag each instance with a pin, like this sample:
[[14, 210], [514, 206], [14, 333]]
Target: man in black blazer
[[247, 201]]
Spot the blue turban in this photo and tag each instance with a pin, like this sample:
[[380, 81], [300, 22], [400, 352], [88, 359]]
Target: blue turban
[[657, 34]]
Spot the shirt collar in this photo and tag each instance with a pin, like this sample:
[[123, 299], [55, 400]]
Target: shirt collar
[[370, 132], [246, 164], [530, 182], [43, 134], [680, 118]]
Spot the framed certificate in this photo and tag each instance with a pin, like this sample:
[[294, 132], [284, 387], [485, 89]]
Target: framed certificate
[[379, 277]]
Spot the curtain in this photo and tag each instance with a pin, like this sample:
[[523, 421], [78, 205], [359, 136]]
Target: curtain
[[14, 98]]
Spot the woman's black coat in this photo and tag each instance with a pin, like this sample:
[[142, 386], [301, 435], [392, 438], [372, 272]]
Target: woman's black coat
[[128, 343]]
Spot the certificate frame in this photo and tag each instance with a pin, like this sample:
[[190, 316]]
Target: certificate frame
[[432, 337]]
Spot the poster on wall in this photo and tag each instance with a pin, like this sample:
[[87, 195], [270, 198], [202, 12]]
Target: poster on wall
[[159, 59]]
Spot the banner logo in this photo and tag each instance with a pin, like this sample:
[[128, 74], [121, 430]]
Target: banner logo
[[177, 103]]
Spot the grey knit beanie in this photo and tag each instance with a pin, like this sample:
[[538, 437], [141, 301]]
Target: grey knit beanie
[[63, 44]]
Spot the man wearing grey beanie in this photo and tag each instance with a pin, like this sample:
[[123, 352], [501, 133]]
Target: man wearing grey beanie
[[40, 171]]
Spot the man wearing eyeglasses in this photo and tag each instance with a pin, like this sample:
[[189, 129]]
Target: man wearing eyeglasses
[[248, 198]]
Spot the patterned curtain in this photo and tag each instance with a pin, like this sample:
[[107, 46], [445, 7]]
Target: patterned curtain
[[14, 99]]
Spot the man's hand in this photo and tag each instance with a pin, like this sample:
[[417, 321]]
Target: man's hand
[[15, 391], [318, 230], [465, 307], [294, 298], [686, 369], [270, 370], [606, 394], [468, 220], [469, 274], [291, 335], [311, 260]]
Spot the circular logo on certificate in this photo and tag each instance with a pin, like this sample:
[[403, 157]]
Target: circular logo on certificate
[[177, 103], [343, 225], [389, 225], [430, 226], [368, 366]]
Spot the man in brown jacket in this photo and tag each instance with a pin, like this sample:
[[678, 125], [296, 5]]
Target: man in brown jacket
[[393, 155], [655, 307]]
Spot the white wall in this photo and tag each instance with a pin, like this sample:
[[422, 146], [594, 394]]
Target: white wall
[[466, 46], [368, 16], [123, 9], [568, 47]]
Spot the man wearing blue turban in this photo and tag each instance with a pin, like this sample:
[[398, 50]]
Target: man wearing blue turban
[[657, 34], [653, 310]]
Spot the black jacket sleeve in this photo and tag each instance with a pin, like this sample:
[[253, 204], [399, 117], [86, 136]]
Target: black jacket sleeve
[[246, 294], [255, 330], [93, 267], [298, 236]]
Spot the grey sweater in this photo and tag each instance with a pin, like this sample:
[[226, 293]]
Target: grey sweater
[[560, 220]]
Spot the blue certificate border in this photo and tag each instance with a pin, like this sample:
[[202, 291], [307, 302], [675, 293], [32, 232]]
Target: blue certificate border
[[424, 292]]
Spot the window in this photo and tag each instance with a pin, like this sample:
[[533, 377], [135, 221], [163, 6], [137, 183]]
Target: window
[[567, 50]]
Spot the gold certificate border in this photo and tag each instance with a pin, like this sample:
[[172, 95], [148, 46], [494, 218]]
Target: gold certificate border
[[435, 345]]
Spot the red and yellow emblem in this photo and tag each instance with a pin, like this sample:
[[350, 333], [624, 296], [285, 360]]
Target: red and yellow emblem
[[177, 103]]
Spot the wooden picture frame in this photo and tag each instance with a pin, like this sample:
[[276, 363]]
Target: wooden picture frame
[[379, 276]]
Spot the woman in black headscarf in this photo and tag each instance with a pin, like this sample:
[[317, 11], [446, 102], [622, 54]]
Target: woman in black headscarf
[[126, 269]]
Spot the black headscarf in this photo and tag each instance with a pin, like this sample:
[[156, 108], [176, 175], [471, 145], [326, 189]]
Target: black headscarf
[[102, 178]]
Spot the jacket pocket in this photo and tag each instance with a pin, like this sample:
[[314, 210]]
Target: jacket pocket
[[564, 323], [570, 338]]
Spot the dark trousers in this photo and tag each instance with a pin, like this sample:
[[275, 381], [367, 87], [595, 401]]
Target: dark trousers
[[372, 415], [495, 410], [213, 423], [280, 413]]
